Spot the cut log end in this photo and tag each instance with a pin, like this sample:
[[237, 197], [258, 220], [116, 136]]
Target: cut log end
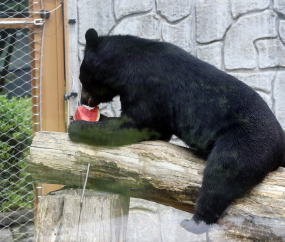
[[102, 217]]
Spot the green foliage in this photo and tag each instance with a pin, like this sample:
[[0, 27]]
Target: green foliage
[[15, 138], [15, 5]]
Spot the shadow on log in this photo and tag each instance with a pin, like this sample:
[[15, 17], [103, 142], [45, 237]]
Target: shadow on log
[[159, 172]]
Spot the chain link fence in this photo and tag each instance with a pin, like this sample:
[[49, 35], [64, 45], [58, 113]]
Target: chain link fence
[[20, 78]]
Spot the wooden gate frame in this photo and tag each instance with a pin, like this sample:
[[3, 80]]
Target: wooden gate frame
[[51, 99], [52, 90]]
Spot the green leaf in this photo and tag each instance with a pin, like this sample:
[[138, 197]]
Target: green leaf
[[16, 188]]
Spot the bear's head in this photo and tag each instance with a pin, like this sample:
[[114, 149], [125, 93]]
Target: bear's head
[[97, 71]]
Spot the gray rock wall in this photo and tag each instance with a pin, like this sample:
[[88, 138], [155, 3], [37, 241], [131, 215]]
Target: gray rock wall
[[244, 38], [149, 222]]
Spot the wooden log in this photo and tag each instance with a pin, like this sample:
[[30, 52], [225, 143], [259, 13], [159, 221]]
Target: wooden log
[[159, 172], [103, 217]]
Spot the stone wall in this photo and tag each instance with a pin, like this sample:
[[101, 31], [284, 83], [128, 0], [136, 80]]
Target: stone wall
[[149, 222], [244, 38]]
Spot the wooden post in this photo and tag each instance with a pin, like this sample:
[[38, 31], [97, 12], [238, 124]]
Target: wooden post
[[52, 94], [67, 57], [53, 115], [103, 217]]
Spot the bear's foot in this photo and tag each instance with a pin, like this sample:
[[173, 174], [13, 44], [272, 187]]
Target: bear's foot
[[196, 228]]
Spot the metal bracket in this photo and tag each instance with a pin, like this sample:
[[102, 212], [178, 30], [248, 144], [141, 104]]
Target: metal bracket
[[72, 21], [83, 190], [72, 94], [39, 22], [45, 14]]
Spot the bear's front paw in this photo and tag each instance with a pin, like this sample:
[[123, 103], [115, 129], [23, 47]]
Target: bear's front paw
[[196, 228], [75, 129]]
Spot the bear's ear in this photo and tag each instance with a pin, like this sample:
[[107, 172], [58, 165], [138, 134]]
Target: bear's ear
[[91, 37]]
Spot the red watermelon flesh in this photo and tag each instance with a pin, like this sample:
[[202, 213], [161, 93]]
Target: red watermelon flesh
[[86, 113]]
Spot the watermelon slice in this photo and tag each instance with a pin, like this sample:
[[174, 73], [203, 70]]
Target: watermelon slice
[[87, 113]]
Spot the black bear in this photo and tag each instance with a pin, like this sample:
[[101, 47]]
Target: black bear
[[164, 91]]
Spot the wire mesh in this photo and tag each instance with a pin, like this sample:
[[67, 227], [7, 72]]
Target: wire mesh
[[16, 9], [20, 76]]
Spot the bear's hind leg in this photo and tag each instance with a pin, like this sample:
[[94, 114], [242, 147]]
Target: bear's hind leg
[[233, 168]]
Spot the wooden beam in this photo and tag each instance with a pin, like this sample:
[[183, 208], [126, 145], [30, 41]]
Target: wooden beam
[[52, 100], [159, 172], [66, 54], [53, 110]]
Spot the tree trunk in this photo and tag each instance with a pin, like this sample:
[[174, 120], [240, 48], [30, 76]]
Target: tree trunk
[[159, 172]]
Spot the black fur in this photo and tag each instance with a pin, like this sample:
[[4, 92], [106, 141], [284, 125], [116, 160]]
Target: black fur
[[164, 90]]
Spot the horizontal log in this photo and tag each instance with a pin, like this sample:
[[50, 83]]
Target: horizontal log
[[159, 172]]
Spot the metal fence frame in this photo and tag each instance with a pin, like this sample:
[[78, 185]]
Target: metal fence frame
[[44, 20]]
